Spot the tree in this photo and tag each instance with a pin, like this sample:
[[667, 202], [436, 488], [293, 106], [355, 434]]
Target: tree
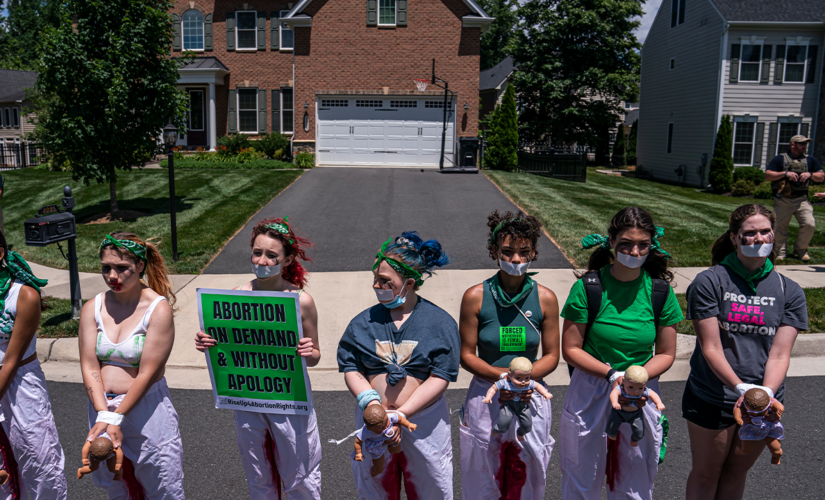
[[619, 146], [497, 42], [632, 139], [110, 86], [721, 166], [576, 61], [24, 26], [502, 138]]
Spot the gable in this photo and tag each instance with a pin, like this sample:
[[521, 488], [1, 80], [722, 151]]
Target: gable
[[784, 11]]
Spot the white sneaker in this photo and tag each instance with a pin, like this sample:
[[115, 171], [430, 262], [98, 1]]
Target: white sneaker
[[804, 257]]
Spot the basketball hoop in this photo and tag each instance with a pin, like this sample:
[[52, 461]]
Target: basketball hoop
[[421, 84]]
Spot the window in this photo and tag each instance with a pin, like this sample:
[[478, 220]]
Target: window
[[434, 104], [743, 135], [192, 23], [669, 138], [16, 116], [7, 116], [750, 63], [246, 30], [677, 12], [796, 59], [386, 12], [672, 63], [403, 104], [196, 114], [287, 111], [286, 33], [334, 103], [786, 131], [248, 111], [364, 103]]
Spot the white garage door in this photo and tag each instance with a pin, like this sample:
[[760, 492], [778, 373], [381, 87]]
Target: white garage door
[[382, 131]]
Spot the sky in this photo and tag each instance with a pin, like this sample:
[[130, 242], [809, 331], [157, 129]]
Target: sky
[[651, 7]]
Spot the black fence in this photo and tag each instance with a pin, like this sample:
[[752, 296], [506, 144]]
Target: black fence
[[21, 155], [568, 163]]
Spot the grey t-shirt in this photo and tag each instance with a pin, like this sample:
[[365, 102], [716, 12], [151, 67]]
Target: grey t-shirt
[[747, 326]]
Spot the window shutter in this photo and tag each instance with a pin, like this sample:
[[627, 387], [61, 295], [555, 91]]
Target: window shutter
[[233, 120], [372, 12], [275, 31], [772, 131], [230, 32], [803, 129], [766, 63], [779, 69], [734, 62], [261, 30], [276, 110], [401, 16], [758, 144], [207, 31], [682, 4], [811, 64], [176, 45], [261, 111]]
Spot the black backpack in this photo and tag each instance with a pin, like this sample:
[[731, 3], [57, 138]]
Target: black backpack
[[593, 291]]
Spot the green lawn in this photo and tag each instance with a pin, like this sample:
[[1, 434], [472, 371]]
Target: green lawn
[[56, 321], [816, 312], [692, 219], [212, 205]]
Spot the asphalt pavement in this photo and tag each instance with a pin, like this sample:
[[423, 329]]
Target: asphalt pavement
[[348, 212], [213, 469]]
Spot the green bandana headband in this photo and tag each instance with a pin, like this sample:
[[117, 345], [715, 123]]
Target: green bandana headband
[[281, 227], [401, 268], [500, 225], [133, 246], [592, 240]]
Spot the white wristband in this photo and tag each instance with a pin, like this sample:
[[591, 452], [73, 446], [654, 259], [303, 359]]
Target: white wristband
[[110, 417], [615, 376], [743, 388]]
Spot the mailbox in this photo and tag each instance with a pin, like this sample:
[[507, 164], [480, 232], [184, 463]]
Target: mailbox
[[50, 225]]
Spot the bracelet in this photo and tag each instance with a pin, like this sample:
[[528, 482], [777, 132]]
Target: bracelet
[[610, 373], [110, 417]]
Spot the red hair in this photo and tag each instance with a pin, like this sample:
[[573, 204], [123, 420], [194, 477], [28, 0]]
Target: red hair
[[295, 273]]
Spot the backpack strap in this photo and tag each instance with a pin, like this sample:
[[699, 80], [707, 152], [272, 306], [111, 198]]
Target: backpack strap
[[661, 289], [593, 292]]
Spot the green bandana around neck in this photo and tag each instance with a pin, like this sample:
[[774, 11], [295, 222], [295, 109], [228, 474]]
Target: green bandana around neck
[[17, 268], [501, 298], [281, 227], [733, 263], [400, 267], [132, 246]]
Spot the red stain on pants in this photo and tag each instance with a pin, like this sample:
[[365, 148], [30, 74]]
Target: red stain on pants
[[512, 473], [395, 469]]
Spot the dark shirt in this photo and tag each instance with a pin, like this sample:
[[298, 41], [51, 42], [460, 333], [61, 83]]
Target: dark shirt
[[778, 164]]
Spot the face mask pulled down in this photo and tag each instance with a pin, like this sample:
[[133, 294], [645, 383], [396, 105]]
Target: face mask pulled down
[[393, 300]]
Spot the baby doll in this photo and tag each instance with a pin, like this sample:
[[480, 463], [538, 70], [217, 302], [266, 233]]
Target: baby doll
[[758, 404], [518, 379], [97, 451], [633, 388], [373, 435]]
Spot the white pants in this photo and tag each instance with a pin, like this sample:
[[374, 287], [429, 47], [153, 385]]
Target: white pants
[[494, 467], [583, 444], [151, 442], [425, 460], [29, 425], [292, 441]]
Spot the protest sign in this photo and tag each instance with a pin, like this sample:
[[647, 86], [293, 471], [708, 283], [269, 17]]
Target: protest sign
[[255, 366]]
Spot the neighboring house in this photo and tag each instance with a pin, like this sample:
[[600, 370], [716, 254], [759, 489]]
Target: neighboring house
[[759, 61], [492, 83], [13, 123], [335, 75]]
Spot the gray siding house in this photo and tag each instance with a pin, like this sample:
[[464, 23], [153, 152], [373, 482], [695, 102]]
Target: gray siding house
[[760, 61]]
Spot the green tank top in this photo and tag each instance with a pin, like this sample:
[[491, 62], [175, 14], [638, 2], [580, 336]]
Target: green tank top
[[504, 334]]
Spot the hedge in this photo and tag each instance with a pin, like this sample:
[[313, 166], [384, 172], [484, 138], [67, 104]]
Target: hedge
[[267, 164]]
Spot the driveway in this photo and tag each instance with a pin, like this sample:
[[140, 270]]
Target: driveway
[[348, 212]]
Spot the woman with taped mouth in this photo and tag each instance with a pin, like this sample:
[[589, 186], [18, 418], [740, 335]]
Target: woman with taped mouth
[[280, 452], [402, 354]]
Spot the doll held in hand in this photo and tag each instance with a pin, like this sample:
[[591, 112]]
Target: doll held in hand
[[633, 387], [517, 380], [376, 431], [97, 451], [758, 405]]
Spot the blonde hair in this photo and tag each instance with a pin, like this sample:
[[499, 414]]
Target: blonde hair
[[521, 364], [637, 374]]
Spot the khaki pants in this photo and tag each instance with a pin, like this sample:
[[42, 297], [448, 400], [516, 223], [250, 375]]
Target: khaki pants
[[800, 208]]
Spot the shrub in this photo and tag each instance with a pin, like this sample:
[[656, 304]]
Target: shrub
[[763, 191], [721, 166], [743, 187], [753, 175], [305, 160], [202, 154], [631, 141], [502, 137], [255, 164], [619, 148], [248, 155], [234, 143], [272, 145]]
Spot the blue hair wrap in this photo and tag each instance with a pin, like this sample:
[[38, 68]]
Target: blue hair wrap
[[365, 397]]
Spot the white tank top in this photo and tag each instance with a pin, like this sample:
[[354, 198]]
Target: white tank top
[[7, 322], [127, 352]]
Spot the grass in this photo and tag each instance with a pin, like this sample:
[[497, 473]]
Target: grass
[[56, 321], [211, 205], [816, 312], [692, 219], [257, 164]]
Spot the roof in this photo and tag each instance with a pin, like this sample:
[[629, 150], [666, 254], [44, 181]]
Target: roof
[[495, 76], [470, 3], [14, 84], [782, 11], [202, 63], [631, 116]]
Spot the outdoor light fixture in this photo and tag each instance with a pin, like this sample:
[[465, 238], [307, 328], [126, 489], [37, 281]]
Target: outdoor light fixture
[[466, 106], [170, 135], [170, 138], [306, 122], [306, 105]]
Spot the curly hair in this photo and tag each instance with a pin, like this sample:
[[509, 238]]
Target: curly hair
[[723, 246], [516, 225], [423, 256], [293, 244]]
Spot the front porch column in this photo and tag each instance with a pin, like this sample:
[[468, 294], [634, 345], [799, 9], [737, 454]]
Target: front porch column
[[213, 133]]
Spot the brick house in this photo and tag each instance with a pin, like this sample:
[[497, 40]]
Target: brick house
[[337, 75]]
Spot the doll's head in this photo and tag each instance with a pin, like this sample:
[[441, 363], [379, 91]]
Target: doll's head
[[100, 449], [635, 380], [375, 418], [521, 371], [757, 400]]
